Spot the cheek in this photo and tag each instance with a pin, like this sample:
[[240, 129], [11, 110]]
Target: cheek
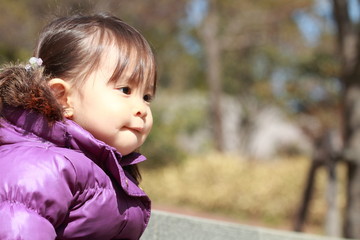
[[149, 121]]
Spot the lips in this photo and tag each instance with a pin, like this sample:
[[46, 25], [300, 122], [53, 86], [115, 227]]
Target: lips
[[135, 129]]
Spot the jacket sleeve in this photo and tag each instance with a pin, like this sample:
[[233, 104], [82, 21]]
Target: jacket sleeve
[[36, 191]]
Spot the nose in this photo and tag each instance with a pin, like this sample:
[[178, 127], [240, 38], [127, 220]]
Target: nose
[[140, 108]]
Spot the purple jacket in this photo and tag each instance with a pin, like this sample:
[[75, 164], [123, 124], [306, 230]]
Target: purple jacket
[[59, 182]]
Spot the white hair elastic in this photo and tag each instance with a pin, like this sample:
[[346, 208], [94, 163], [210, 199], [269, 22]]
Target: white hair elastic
[[34, 63]]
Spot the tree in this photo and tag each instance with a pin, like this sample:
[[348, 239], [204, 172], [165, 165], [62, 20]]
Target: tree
[[348, 52], [235, 36], [348, 46], [210, 38]]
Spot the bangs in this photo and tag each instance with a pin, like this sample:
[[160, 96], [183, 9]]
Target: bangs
[[135, 59], [134, 55], [137, 63]]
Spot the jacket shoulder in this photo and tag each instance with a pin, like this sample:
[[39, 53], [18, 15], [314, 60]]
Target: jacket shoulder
[[45, 178], [43, 160], [52, 184], [38, 178]]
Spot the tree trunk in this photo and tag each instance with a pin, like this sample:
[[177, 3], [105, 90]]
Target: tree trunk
[[352, 157], [332, 223], [306, 197], [348, 50], [209, 33]]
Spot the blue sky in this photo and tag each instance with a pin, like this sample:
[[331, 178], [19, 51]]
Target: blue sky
[[310, 24]]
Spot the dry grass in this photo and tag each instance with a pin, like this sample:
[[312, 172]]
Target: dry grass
[[266, 191]]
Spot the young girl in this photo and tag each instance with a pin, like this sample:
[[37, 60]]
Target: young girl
[[71, 123]]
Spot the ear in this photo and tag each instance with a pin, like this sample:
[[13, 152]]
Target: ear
[[61, 91]]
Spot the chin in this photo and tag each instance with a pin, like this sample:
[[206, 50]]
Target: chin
[[127, 151]]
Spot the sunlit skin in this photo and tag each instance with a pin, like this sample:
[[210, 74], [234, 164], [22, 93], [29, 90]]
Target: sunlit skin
[[116, 113]]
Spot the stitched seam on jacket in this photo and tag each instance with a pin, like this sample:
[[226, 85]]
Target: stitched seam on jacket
[[80, 200], [79, 191], [93, 193], [29, 136], [27, 207]]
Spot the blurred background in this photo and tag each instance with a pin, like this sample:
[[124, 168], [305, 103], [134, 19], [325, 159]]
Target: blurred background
[[256, 114]]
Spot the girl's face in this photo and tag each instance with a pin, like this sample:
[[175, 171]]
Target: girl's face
[[117, 113]]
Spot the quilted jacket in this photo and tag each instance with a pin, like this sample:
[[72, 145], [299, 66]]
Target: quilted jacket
[[58, 182]]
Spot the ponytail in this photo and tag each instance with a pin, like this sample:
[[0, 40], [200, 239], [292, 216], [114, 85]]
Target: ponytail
[[27, 88]]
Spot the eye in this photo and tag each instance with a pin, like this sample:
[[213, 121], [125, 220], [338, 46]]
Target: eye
[[148, 98], [125, 90]]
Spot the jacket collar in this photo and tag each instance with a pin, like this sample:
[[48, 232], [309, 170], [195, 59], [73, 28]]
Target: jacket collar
[[66, 134]]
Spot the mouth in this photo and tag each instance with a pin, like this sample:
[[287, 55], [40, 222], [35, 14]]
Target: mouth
[[135, 129]]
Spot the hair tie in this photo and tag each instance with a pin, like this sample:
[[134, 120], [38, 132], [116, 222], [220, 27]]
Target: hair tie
[[34, 63]]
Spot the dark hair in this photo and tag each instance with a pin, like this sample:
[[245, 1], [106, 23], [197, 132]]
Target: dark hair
[[29, 90], [71, 48]]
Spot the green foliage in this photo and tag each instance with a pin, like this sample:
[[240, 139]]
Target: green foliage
[[255, 39], [321, 64], [9, 54], [174, 116], [160, 147]]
